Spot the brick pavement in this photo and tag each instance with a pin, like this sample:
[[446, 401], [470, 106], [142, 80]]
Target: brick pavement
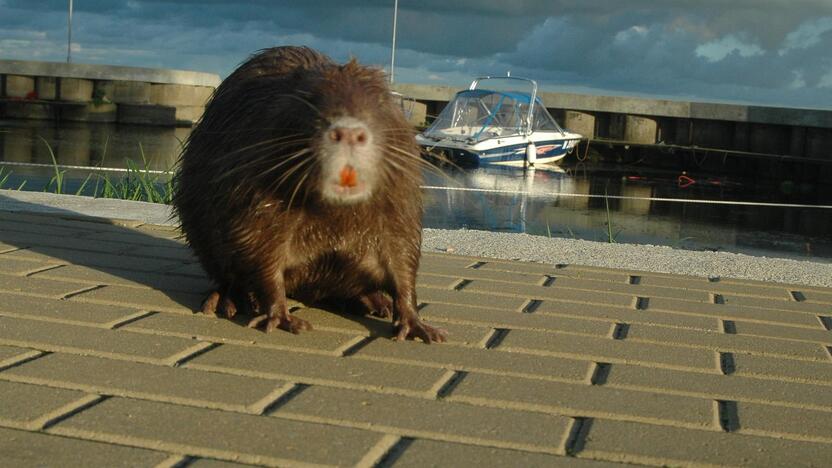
[[102, 363]]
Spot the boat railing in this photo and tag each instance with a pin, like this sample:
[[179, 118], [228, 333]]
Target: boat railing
[[530, 118]]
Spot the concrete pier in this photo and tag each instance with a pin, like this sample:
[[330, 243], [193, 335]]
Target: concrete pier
[[103, 93], [776, 131]]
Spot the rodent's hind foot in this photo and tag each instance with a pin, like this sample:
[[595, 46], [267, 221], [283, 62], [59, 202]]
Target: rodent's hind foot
[[210, 303], [410, 330], [219, 305], [377, 304], [268, 322]]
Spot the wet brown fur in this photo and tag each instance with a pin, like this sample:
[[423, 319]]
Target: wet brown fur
[[248, 201]]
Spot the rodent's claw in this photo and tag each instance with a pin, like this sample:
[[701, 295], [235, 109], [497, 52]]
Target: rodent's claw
[[269, 322], [209, 305], [410, 330], [378, 304], [219, 305]]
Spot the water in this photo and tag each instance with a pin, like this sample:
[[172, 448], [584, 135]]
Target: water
[[620, 195]]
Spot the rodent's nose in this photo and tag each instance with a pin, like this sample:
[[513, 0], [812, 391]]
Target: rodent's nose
[[350, 135]]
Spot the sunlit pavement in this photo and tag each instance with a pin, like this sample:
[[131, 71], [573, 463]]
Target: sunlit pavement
[[103, 363]]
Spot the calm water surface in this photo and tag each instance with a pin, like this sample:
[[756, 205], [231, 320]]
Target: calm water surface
[[608, 195]]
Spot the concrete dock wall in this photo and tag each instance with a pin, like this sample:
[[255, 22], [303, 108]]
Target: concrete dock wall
[[103, 93], [800, 133]]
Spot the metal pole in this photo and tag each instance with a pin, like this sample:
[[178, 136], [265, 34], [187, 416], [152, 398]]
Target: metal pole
[[69, 34], [393, 53]]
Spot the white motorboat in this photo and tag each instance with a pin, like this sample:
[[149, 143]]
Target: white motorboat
[[484, 125]]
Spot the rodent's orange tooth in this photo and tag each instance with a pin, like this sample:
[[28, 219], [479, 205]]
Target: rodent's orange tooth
[[349, 177]]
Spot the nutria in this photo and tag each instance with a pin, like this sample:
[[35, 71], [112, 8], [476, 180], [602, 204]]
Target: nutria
[[302, 180]]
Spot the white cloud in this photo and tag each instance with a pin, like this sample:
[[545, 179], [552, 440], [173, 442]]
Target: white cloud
[[806, 35], [717, 50]]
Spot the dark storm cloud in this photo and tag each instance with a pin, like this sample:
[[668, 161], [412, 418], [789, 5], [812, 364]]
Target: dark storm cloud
[[770, 51]]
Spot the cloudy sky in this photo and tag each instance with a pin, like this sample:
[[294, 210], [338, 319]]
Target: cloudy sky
[[774, 52]]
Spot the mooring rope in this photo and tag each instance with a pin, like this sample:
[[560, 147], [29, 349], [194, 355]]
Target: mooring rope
[[81, 168]]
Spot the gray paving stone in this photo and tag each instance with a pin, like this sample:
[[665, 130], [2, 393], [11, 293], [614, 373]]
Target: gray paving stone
[[38, 286], [607, 350], [766, 303], [582, 400], [734, 312], [114, 276], [720, 387], [31, 449], [10, 353], [149, 299], [23, 404], [483, 360], [627, 315], [818, 335], [144, 381], [727, 342], [472, 299], [313, 368], [777, 421], [77, 339], [15, 305], [19, 267], [77, 257], [214, 433], [668, 446], [489, 288], [421, 453], [35, 241], [430, 418], [763, 366]]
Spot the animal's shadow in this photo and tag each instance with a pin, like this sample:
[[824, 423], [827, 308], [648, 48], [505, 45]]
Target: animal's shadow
[[66, 246]]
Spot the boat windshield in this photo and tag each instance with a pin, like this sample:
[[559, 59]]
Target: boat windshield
[[480, 114]]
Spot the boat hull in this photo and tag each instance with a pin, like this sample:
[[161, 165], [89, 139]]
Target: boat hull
[[504, 153]]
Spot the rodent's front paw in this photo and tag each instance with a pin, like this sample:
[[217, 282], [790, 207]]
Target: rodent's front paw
[[412, 329]]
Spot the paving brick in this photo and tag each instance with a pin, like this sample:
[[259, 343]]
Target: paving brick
[[544, 292], [582, 400], [777, 421], [23, 405], [147, 237], [13, 266], [441, 260], [41, 287], [508, 319], [65, 241], [10, 225], [819, 335], [430, 418], [9, 354], [642, 290], [177, 252], [76, 339], [725, 342], [670, 446], [189, 269], [421, 453], [823, 296], [429, 268], [214, 433], [720, 387], [346, 322], [209, 463], [77, 257], [733, 312], [472, 299], [225, 331], [761, 366], [68, 222], [607, 350], [313, 368], [152, 299], [31, 449], [15, 305], [144, 381], [484, 360], [114, 276], [442, 282], [626, 315], [766, 303], [768, 290]]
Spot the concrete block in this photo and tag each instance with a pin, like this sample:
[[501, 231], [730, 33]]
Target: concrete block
[[28, 306], [672, 446], [147, 115], [414, 111], [797, 141], [608, 350], [75, 90], [487, 288], [18, 86], [90, 112], [318, 369], [580, 122], [29, 110], [24, 448], [113, 276], [728, 312], [448, 420], [427, 294], [48, 336], [423, 452], [639, 129], [713, 134], [778, 421], [616, 126], [130, 92], [719, 387], [102, 91], [23, 404], [188, 115], [146, 381], [476, 360], [741, 136], [46, 87], [38, 286], [573, 398], [782, 304], [176, 95]]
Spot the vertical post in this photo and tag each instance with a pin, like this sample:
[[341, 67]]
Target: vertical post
[[393, 53], [69, 34]]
